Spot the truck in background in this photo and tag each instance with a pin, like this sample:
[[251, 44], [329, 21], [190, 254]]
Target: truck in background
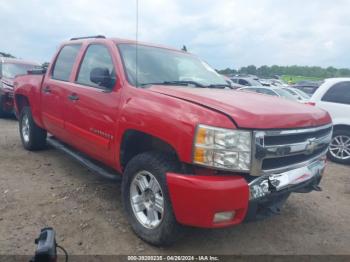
[[9, 69]]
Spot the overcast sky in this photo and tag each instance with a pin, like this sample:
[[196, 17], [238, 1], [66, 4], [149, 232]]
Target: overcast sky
[[226, 33]]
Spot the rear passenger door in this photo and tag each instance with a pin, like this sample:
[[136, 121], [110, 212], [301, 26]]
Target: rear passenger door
[[53, 90], [92, 106]]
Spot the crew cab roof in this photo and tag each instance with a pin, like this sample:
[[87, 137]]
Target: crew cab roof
[[120, 41]]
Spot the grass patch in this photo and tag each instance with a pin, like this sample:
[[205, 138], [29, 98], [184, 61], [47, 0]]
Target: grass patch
[[295, 79]]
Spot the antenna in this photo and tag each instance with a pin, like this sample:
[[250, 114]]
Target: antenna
[[137, 40]]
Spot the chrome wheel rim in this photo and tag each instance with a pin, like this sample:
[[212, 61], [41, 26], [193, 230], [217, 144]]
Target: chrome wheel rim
[[147, 200], [340, 147], [25, 128]]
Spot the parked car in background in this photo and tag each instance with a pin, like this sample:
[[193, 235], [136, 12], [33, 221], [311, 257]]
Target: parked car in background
[[272, 91], [9, 69], [265, 82], [300, 95], [232, 84], [334, 96], [278, 82], [308, 87], [246, 81]]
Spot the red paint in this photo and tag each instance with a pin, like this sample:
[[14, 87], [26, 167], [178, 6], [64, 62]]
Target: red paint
[[167, 113], [250, 110], [196, 199], [310, 103]]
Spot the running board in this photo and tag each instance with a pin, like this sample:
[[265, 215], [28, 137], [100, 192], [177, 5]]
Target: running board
[[91, 164]]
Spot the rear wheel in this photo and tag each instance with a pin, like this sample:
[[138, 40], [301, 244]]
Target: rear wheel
[[339, 149], [146, 199], [33, 137]]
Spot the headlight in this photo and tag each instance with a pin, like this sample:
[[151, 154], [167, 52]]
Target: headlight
[[222, 148]]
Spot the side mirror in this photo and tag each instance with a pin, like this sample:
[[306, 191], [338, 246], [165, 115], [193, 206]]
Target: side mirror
[[101, 77]]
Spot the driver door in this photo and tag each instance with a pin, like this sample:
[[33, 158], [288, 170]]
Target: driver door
[[91, 109]]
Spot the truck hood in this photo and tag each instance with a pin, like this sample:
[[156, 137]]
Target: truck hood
[[250, 110]]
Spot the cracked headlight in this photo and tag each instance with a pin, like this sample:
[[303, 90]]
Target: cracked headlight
[[222, 148]]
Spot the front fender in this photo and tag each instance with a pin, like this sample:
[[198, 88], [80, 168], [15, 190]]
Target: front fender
[[167, 118]]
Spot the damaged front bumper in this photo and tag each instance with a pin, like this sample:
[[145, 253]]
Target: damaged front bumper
[[275, 181], [213, 201], [269, 192]]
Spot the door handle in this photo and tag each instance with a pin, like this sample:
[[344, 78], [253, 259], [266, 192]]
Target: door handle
[[47, 90], [73, 97]]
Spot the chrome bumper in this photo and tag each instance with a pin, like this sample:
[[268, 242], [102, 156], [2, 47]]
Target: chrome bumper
[[279, 179]]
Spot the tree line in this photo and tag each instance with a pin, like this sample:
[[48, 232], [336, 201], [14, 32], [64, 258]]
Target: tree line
[[308, 71], [270, 71]]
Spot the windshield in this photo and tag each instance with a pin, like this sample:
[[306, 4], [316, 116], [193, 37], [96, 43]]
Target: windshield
[[159, 65], [10, 70], [285, 94]]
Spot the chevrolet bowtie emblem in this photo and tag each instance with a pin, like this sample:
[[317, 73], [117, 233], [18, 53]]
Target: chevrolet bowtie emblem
[[311, 145]]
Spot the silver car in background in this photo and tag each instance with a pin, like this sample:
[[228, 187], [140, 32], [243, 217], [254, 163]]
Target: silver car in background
[[269, 90]]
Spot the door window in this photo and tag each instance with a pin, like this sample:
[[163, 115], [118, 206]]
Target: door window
[[64, 62], [97, 61], [339, 93]]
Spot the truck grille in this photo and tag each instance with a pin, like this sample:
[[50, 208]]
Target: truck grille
[[275, 151]]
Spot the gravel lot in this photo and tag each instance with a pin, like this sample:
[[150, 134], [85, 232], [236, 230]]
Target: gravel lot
[[49, 189]]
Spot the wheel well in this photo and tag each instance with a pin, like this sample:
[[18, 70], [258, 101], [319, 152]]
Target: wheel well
[[21, 102], [135, 142], [341, 127]]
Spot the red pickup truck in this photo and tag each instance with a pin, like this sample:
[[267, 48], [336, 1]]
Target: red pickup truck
[[191, 150]]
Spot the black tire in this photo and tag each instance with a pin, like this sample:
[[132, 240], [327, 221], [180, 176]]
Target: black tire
[[2, 112], [158, 164], [337, 133], [36, 139]]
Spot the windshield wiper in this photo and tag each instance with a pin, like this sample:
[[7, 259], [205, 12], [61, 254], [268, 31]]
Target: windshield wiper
[[188, 82], [180, 82]]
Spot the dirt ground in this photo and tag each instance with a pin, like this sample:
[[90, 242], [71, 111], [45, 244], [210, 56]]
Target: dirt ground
[[47, 188]]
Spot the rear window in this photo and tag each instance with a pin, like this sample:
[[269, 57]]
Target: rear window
[[285, 94], [65, 61], [339, 93]]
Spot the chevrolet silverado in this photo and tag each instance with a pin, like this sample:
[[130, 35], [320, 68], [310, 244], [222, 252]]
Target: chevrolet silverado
[[190, 151]]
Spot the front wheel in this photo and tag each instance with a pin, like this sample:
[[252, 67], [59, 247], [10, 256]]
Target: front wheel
[[339, 149], [33, 137], [146, 199]]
